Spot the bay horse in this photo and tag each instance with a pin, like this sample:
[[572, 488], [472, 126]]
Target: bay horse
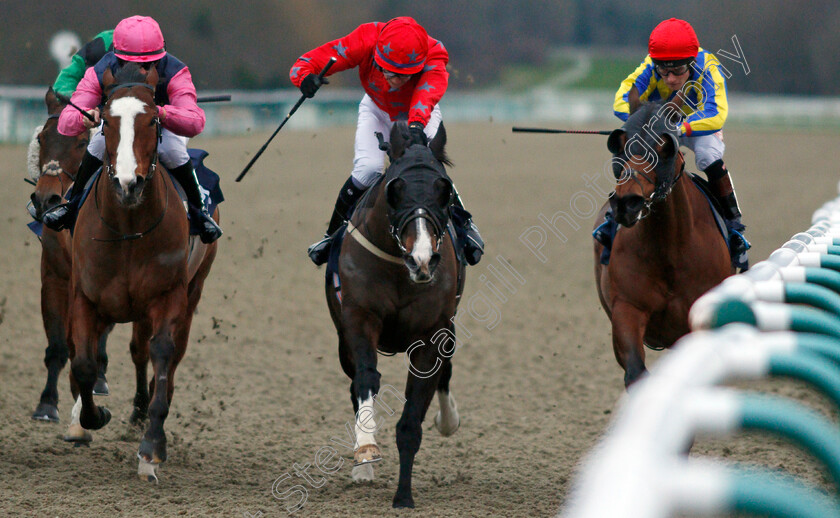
[[53, 160], [133, 261], [400, 286], [668, 250]]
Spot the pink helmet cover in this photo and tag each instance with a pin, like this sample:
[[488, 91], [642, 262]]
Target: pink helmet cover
[[139, 39]]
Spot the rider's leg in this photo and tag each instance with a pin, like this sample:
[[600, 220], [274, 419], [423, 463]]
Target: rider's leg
[[708, 153], [473, 243], [174, 156], [64, 215], [368, 163], [347, 197]]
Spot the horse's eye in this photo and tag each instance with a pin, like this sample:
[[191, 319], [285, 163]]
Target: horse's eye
[[153, 122]]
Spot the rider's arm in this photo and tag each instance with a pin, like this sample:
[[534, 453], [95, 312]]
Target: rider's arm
[[87, 97], [431, 85], [644, 81], [86, 57], [710, 88], [182, 115], [349, 52]]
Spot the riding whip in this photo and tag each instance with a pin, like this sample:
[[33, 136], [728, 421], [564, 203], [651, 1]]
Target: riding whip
[[291, 112], [66, 100], [547, 130], [213, 98]]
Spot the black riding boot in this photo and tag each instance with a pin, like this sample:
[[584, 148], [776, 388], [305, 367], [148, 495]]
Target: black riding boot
[[721, 185], [64, 215], [185, 174], [348, 196], [472, 242]]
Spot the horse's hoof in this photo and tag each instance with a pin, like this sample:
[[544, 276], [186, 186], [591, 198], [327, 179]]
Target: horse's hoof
[[367, 454], [363, 473], [100, 388], [138, 416], [448, 428], [77, 434], [153, 452], [46, 412], [403, 502], [147, 471]]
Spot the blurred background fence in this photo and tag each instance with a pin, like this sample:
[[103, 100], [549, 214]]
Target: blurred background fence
[[22, 109]]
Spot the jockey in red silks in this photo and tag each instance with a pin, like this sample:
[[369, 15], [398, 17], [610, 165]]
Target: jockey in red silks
[[138, 39], [676, 63], [403, 73]]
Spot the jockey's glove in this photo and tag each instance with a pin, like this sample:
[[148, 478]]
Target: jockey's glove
[[311, 84], [416, 134]]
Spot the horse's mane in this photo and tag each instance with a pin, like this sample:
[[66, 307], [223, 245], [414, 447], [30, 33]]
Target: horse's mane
[[130, 72], [642, 117], [647, 126]]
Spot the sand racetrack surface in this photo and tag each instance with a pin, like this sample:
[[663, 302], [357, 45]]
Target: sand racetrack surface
[[261, 389]]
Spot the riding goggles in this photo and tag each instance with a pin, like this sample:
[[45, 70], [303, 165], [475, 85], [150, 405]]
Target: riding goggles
[[677, 70], [389, 75]]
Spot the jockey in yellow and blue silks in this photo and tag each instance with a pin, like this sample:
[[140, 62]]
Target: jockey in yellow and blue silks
[[676, 63]]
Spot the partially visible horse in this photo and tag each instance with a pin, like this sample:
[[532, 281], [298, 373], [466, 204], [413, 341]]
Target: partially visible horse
[[53, 162], [668, 250], [133, 261], [400, 285]]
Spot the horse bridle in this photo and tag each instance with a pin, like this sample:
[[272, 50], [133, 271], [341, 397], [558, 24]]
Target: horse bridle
[[109, 168], [61, 169], [658, 192], [418, 213], [152, 168]]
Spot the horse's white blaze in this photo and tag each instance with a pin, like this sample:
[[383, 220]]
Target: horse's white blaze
[[422, 251], [365, 423], [127, 109]]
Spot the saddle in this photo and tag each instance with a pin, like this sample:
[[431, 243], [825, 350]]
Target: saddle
[[208, 184]]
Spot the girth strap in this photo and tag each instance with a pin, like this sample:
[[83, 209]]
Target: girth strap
[[370, 247]]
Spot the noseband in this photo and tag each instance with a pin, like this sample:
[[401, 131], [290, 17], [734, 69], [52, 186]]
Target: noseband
[[661, 190], [418, 213]]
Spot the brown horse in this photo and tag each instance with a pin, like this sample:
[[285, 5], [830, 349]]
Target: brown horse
[[400, 282], [668, 250], [53, 161], [133, 261]]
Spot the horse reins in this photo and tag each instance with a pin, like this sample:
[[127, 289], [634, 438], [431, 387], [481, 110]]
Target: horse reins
[[128, 237], [657, 194], [152, 168]]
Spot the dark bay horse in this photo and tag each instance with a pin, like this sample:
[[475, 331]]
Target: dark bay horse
[[133, 261], [668, 250], [400, 282], [53, 162]]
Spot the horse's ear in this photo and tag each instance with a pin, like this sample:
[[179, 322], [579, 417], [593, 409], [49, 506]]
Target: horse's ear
[[399, 139], [438, 143], [52, 102], [670, 147], [616, 141], [443, 191], [152, 77], [394, 191], [107, 80]]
